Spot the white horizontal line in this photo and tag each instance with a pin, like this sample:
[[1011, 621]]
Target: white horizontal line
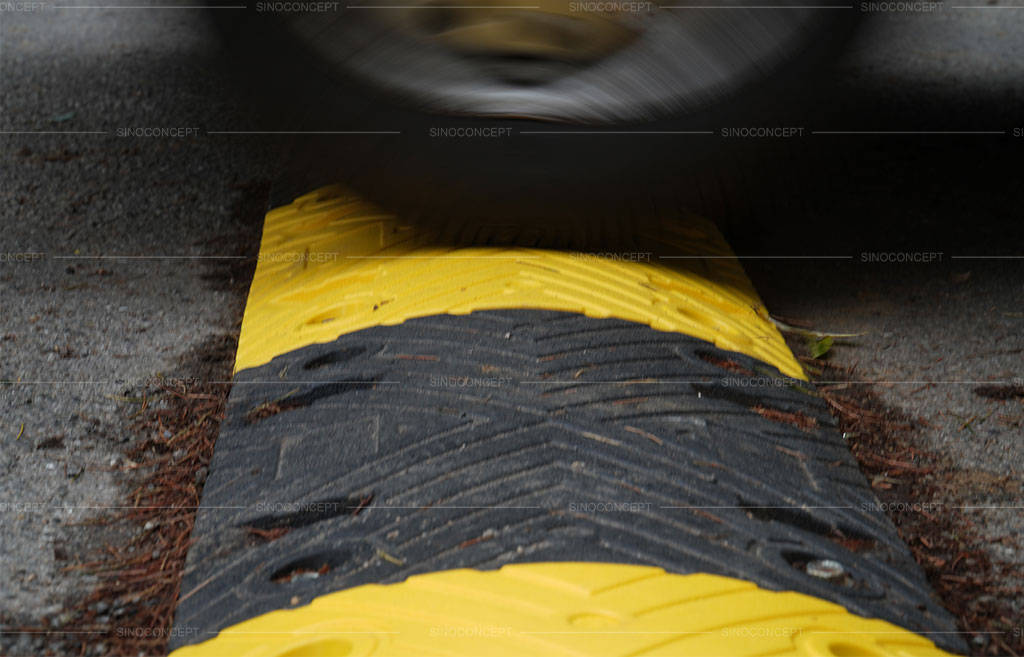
[[69, 506], [759, 507], [58, 631], [988, 507], [303, 132], [738, 257], [443, 257], [149, 7], [149, 257], [427, 507], [310, 631], [757, 7], [53, 132], [442, 7], [902, 631], [522, 382], [612, 631], [908, 132], [617, 132]]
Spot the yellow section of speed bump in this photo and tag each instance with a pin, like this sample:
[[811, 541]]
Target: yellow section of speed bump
[[331, 263], [564, 609]]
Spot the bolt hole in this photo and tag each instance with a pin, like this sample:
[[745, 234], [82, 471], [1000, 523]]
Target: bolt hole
[[307, 568]]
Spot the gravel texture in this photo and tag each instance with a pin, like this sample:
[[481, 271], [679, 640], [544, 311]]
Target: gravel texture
[[80, 334], [112, 270]]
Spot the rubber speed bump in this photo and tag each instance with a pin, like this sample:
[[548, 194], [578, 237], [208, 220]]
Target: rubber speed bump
[[564, 609], [331, 263], [403, 412]]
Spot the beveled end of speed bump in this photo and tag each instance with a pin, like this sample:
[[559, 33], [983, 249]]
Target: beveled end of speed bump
[[562, 609], [331, 263]]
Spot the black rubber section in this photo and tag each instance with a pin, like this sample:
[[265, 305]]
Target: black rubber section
[[487, 439]]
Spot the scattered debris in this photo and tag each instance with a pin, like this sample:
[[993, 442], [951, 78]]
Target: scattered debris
[[390, 558], [818, 342], [942, 538], [798, 419], [142, 578], [267, 535], [819, 347], [272, 408]]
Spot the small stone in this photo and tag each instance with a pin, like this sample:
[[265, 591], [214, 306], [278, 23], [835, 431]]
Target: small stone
[[825, 569]]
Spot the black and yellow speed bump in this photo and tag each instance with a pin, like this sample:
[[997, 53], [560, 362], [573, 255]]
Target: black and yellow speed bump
[[555, 477]]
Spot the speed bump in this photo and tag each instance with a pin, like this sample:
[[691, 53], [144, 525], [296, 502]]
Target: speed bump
[[481, 444]]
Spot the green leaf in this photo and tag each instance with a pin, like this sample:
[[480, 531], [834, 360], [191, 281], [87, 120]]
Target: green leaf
[[820, 347]]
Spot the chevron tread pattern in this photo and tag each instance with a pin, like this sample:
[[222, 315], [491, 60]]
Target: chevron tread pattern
[[518, 436]]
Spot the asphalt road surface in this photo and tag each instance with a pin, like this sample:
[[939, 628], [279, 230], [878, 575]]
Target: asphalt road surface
[[118, 250]]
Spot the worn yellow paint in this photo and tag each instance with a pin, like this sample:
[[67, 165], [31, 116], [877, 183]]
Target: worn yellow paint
[[564, 609], [331, 263]]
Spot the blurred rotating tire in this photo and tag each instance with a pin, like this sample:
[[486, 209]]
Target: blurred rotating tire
[[540, 79], [558, 60]]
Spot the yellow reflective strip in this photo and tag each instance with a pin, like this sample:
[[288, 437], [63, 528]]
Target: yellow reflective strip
[[562, 609], [331, 264]]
